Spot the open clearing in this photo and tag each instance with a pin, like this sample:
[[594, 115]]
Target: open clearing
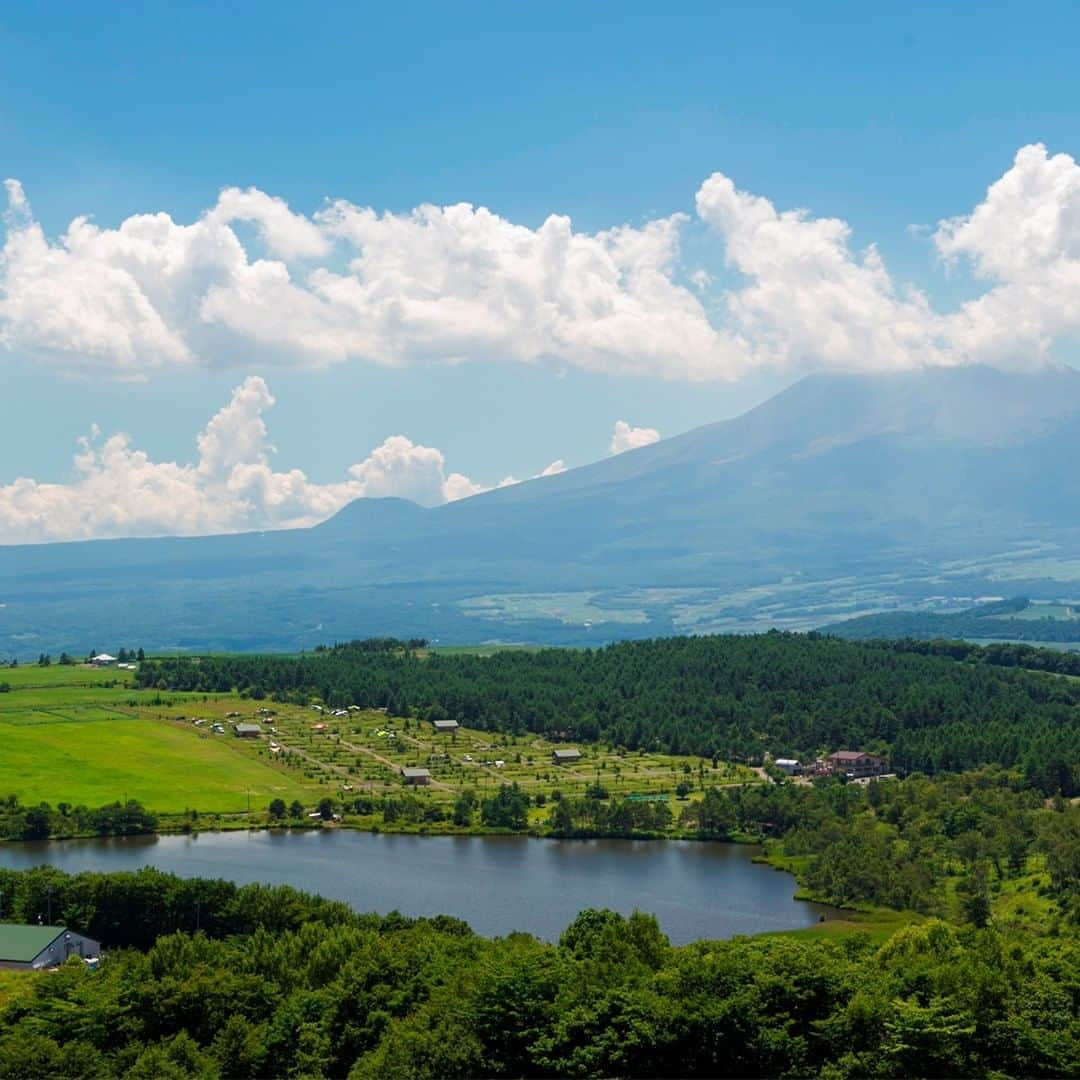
[[85, 736], [70, 737]]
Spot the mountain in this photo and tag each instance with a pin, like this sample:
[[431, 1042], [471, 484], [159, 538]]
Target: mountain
[[842, 494]]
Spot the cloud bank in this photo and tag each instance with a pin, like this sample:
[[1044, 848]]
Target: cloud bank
[[232, 486], [252, 277], [118, 490], [624, 437]]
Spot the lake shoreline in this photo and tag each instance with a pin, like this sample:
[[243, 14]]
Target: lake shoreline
[[497, 883], [241, 823]]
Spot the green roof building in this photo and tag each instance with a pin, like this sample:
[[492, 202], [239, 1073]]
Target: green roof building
[[27, 948]]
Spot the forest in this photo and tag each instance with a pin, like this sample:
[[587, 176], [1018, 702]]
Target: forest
[[930, 707], [205, 978]]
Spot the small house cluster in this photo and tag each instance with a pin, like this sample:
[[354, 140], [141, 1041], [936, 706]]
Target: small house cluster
[[854, 764]]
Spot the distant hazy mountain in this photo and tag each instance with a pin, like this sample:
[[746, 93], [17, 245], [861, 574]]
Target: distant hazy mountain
[[1018, 619], [843, 493]]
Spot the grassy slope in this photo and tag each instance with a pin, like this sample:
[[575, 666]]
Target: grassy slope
[[67, 737], [70, 735]]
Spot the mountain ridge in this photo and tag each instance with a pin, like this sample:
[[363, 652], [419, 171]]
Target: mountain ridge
[[874, 478]]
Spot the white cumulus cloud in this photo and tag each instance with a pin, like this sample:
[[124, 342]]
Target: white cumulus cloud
[[808, 300], [251, 277], [625, 437], [118, 490], [438, 284], [1024, 240]]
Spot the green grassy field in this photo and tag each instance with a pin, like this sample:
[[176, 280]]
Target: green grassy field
[[880, 925], [68, 736], [28, 675], [100, 759], [72, 734], [367, 750], [1037, 610]]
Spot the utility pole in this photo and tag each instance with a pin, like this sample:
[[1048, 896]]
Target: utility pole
[[48, 901]]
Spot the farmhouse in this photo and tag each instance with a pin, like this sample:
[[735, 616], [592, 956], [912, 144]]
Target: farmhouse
[[444, 725], [856, 764], [102, 659], [247, 731], [565, 757], [28, 948], [416, 776]]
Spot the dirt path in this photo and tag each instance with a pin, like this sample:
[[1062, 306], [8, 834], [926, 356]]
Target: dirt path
[[392, 764]]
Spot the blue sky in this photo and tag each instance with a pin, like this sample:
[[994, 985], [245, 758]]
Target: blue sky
[[608, 114]]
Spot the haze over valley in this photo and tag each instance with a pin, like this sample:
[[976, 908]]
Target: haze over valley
[[843, 494]]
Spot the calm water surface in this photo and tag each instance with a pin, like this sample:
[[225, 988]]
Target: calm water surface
[[497, 884]]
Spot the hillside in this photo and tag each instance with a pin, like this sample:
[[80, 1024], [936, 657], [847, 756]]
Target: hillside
[[730, 697], [1011, 620], [841, 494]]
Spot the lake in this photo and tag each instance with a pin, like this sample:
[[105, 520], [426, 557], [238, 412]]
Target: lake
[[497, 884]]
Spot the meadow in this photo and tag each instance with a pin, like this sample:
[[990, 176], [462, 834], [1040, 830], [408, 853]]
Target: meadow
[[85, 736], [365, 751], [82, 736]]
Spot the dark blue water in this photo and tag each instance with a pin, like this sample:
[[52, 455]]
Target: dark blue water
[[497, 884]]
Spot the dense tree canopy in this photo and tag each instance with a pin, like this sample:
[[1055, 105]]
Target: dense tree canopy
[[275, 983]]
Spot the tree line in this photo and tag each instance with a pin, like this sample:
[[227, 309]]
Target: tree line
[[917, 844], [41, 821]]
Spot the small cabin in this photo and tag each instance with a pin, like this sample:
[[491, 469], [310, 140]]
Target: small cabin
[[565, 757], [247, 731], [788, 765], [445, 726], [416, 777], [30, 948]]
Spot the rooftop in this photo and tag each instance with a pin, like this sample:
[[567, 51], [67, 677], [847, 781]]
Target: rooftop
[[415, 773], [21, 943]]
